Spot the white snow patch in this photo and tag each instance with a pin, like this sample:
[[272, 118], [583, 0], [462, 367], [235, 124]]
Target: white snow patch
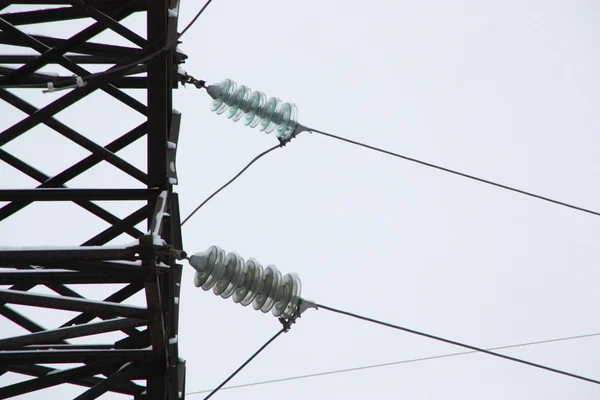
[[38, 270], [171, 145], [57, 248], [137, 263], [157, 241], [40, 296], [54, 371], [125, 365], [173, 181], [172, 166], [176, 300], [163, 195], [173, 340]]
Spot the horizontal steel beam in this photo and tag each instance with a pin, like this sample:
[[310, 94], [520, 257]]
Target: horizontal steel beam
[[54, 335], [38, 82], [117, 297], [74, 356], [78, 59], [60, 377], [48, 276], [140, 5], [128, 270], [44, 347], [68, 194], [49, 255], [73, 304], [40, 371], [91, 48], [43, 15]]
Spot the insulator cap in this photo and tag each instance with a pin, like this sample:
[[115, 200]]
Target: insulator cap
[[247, 281], [268, 114]]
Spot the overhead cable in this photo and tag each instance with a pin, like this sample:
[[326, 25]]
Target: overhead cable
[[389, 364], [453, 342], [264, 153], [391, 153], [241, 367], [193, 21]]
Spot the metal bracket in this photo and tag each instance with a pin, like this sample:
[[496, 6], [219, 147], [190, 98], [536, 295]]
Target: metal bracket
[[78, 83], [303, 305]]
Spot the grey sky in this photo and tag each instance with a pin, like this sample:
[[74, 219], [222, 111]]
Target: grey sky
[[508, 91]]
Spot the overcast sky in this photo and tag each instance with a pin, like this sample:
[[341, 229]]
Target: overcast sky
[[507, 91]]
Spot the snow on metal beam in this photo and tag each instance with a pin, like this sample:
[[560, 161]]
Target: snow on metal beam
[[54, 335], [74, 356], [68, 194], [10, 256], [46, 276], [73, 304]]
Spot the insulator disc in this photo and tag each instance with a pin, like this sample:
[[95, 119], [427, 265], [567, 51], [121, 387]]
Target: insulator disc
[[225, 279], [256, 103], [237, 101], [238, 277], [275, 119], [224, 87], [203, 263], [263, 294], [285, 292], [274, 290], [257, 286], [267, 113], [292, 306], [227, 95], [289, 120], [218, 269], [285, 295], [244, 105], [228, 88], [252, 279]]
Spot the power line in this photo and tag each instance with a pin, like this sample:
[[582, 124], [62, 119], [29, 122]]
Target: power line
[[467, 346], [193, 21], [391, 153], [388, 364], [264, 153], [284, 329]]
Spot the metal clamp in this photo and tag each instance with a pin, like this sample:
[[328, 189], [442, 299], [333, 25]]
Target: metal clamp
[[303, 305], [79, 82]]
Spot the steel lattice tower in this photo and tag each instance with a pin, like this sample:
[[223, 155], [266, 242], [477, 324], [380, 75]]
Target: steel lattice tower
[[147, 349]]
